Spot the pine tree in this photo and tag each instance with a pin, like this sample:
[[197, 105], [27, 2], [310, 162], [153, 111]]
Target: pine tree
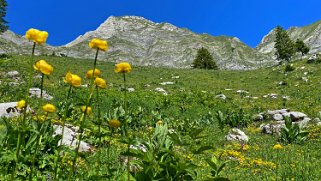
[[301, 47], [3, 22], [204, 60], [285, 48]]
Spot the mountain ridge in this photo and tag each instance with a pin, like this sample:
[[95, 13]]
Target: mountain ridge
[[143, 42]]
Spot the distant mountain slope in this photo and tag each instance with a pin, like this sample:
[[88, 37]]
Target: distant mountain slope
[[311, 35], [144, 42]]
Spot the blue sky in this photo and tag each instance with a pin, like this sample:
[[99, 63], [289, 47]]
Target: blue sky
[[248, 20]]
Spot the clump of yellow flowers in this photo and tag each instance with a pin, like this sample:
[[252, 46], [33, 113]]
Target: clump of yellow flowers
[[101, 83], [49, 108], [43, 67], [98, 44], [277, 146], [91, 74], [89, 110], [123, 67], [37, 36], [73, 79], [21, 104], [114, 123]]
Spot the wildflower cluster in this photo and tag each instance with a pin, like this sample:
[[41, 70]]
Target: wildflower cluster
[[37, 36]]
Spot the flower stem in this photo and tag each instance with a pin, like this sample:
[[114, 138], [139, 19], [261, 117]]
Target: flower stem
[[99, 129], [63, 129], [41, 85], [82, 121], [21, 132]]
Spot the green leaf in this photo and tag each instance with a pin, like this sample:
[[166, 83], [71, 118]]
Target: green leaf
[[202, 149], [211, 164], [220, 168]]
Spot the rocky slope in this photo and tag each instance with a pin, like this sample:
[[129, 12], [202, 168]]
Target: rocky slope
[[311, 35], [143, 42]]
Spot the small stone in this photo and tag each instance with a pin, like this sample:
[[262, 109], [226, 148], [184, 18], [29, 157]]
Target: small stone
[[242, 92], [13, 73], [296, 116], [237, 135], [278, 117], [221, 96], [167, 83], [161, 90], [130, 89], [35, 92]]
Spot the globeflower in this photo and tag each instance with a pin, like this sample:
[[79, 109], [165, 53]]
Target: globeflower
[[123, 67], [98, 44], [90, 73], [73, 79], [37, 35], [21, 104], [43, 67], [114, 123], [89, 110], [49, 108], [101, 83], [277, 146]]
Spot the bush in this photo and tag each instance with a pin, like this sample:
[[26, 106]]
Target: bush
[[289, 68]]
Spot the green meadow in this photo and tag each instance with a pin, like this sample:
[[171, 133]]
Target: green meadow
[[177, 136]]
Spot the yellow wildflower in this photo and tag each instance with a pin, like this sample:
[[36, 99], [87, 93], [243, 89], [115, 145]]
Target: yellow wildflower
[[73, 79], [43, 67], [21, 104], [114, 123], [99, 44], [101, 83], [123, 67], [277, 146], [49, 108], [90, 73], [89, 110], [37, 35], [160, 122]]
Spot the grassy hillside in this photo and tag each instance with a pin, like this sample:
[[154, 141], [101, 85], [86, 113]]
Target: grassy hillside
[[191, 104]]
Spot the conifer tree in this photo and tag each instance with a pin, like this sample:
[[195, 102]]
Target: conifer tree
[[3, 12], [204, 60], [301, 47], [285, 48]]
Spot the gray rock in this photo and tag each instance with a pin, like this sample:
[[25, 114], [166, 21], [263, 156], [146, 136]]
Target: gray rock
[[221, 96], [9, 110], [130, 89], [304, 123], [35, 92], [13, 73], [242, 92], [278, 117], [161, 90], [236, 134], [70, 138], [272, 128], [167, 83], [296, 116]]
